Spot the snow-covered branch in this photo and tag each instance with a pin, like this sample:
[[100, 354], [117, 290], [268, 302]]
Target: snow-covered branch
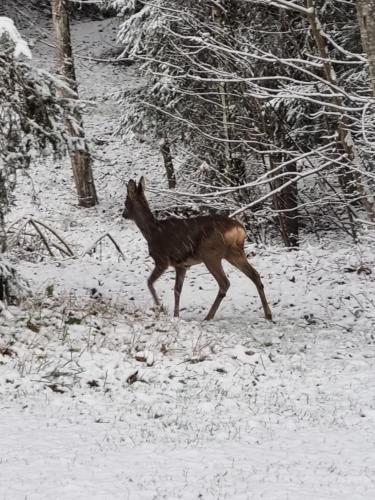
[[9, 30]]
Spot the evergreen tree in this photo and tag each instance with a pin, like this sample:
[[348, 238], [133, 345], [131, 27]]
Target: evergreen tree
[[270, 98], [32, 114]]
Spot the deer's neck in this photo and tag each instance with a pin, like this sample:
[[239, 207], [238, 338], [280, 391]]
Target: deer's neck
[[146, 222]]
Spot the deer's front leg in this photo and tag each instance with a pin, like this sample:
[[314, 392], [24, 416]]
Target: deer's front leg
[[156, 273], [180, 276]]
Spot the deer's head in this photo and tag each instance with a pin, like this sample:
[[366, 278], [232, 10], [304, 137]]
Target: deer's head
[[135, 200]]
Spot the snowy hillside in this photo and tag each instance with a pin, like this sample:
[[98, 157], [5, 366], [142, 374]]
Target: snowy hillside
[[104, 398]]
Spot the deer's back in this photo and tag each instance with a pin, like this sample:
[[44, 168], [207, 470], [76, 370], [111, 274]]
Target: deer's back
[[185, 242]]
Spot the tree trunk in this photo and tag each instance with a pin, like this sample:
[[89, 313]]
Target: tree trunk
[[3, 208], [218, 15], [168, 163], [348, 178], [366, 16], [351, 181], [78, 150], [285, 204], [285, 200]]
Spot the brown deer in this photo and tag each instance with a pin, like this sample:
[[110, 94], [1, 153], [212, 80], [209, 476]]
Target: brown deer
[[182, 243]]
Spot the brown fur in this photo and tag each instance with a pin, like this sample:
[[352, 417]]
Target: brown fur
[[182, 243]]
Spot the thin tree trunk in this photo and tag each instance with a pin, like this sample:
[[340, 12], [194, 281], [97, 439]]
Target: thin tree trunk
[[168, 163], [285, 203], [351, 182], [225, 119], [218, 16], [78, 150], [347, 177], [3, 205], [366, 16]]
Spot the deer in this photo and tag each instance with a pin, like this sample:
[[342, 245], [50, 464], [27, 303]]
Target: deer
[[182, 243]]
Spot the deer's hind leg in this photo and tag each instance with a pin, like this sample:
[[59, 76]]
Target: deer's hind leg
[[240, 261], [217, 271]]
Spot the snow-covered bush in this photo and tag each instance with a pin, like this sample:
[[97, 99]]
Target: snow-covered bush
[[12, 287]]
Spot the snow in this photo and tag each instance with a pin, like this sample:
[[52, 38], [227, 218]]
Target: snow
[[8, 28], [103, 397]]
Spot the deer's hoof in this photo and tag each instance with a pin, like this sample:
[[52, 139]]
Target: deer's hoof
[[160, 309], [268, 315]]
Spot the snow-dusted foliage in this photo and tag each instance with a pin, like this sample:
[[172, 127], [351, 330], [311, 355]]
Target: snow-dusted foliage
[[31, 112], [12, 287], [272, 96]]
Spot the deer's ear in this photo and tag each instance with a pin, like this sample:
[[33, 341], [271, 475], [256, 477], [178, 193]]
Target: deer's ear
[[132, 188], [141, 185]]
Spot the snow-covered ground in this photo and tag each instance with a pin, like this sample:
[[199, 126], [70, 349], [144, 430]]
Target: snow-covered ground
[[103, 398]]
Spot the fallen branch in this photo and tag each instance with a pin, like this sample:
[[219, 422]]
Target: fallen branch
[[365, 222], [42, 237], [51, 230], [64, 248], [93, 246]]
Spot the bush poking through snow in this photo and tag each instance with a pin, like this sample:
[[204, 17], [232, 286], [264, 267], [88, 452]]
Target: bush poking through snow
[[11, 287]]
